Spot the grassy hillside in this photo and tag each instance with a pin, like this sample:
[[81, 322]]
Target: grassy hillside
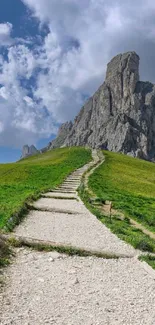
[[24, 180], [130, 184]]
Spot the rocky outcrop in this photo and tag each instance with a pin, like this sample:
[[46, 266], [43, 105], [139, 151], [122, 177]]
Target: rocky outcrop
[[120, 116], [29, 151], [62, 135]]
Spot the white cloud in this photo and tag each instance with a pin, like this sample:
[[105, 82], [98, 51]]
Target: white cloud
[[3, 93], [71, 62], [5, 34], [29, 101], [23, 119], [5, 29]]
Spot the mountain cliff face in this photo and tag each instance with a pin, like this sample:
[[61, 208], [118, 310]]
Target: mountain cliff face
[[120, 116], [62, 135], [28, 151]]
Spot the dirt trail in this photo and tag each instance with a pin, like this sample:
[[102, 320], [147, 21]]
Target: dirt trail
[[52, 288]]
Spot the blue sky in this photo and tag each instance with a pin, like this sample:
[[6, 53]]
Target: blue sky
[[53, 56], [24, 26], [16, 12]]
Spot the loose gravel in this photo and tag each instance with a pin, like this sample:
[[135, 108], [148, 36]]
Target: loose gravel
[[49, 288]]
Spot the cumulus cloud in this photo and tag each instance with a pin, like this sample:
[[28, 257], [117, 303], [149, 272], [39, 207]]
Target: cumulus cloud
[[5, 29], [23, 119], [5, 34], [46, 84], [83, 36]]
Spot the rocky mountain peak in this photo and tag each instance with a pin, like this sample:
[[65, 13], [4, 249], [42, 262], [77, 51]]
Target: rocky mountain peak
[[123, 65], [123, 74], [28, 151], [120, 116]]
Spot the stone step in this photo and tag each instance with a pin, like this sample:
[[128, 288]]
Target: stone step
[[53, 246], [70, 181], [67, 189], [71, 184], [77, 181], [60, 195], [59, 205], [63, 191], [81, 230], [73, 179], [68, 186]]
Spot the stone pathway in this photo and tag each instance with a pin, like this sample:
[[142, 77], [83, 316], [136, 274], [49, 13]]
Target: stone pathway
[[51, 288]]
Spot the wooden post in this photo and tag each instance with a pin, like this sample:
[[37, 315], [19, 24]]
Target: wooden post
[[110, 211]]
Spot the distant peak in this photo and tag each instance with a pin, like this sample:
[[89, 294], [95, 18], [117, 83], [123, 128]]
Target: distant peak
[[28, 151]]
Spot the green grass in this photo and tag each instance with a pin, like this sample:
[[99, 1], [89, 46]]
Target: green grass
[[130, 184], [148, 259], [122, 228], [23, 181]]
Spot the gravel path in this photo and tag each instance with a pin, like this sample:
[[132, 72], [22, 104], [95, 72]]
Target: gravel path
[[49, 288]]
